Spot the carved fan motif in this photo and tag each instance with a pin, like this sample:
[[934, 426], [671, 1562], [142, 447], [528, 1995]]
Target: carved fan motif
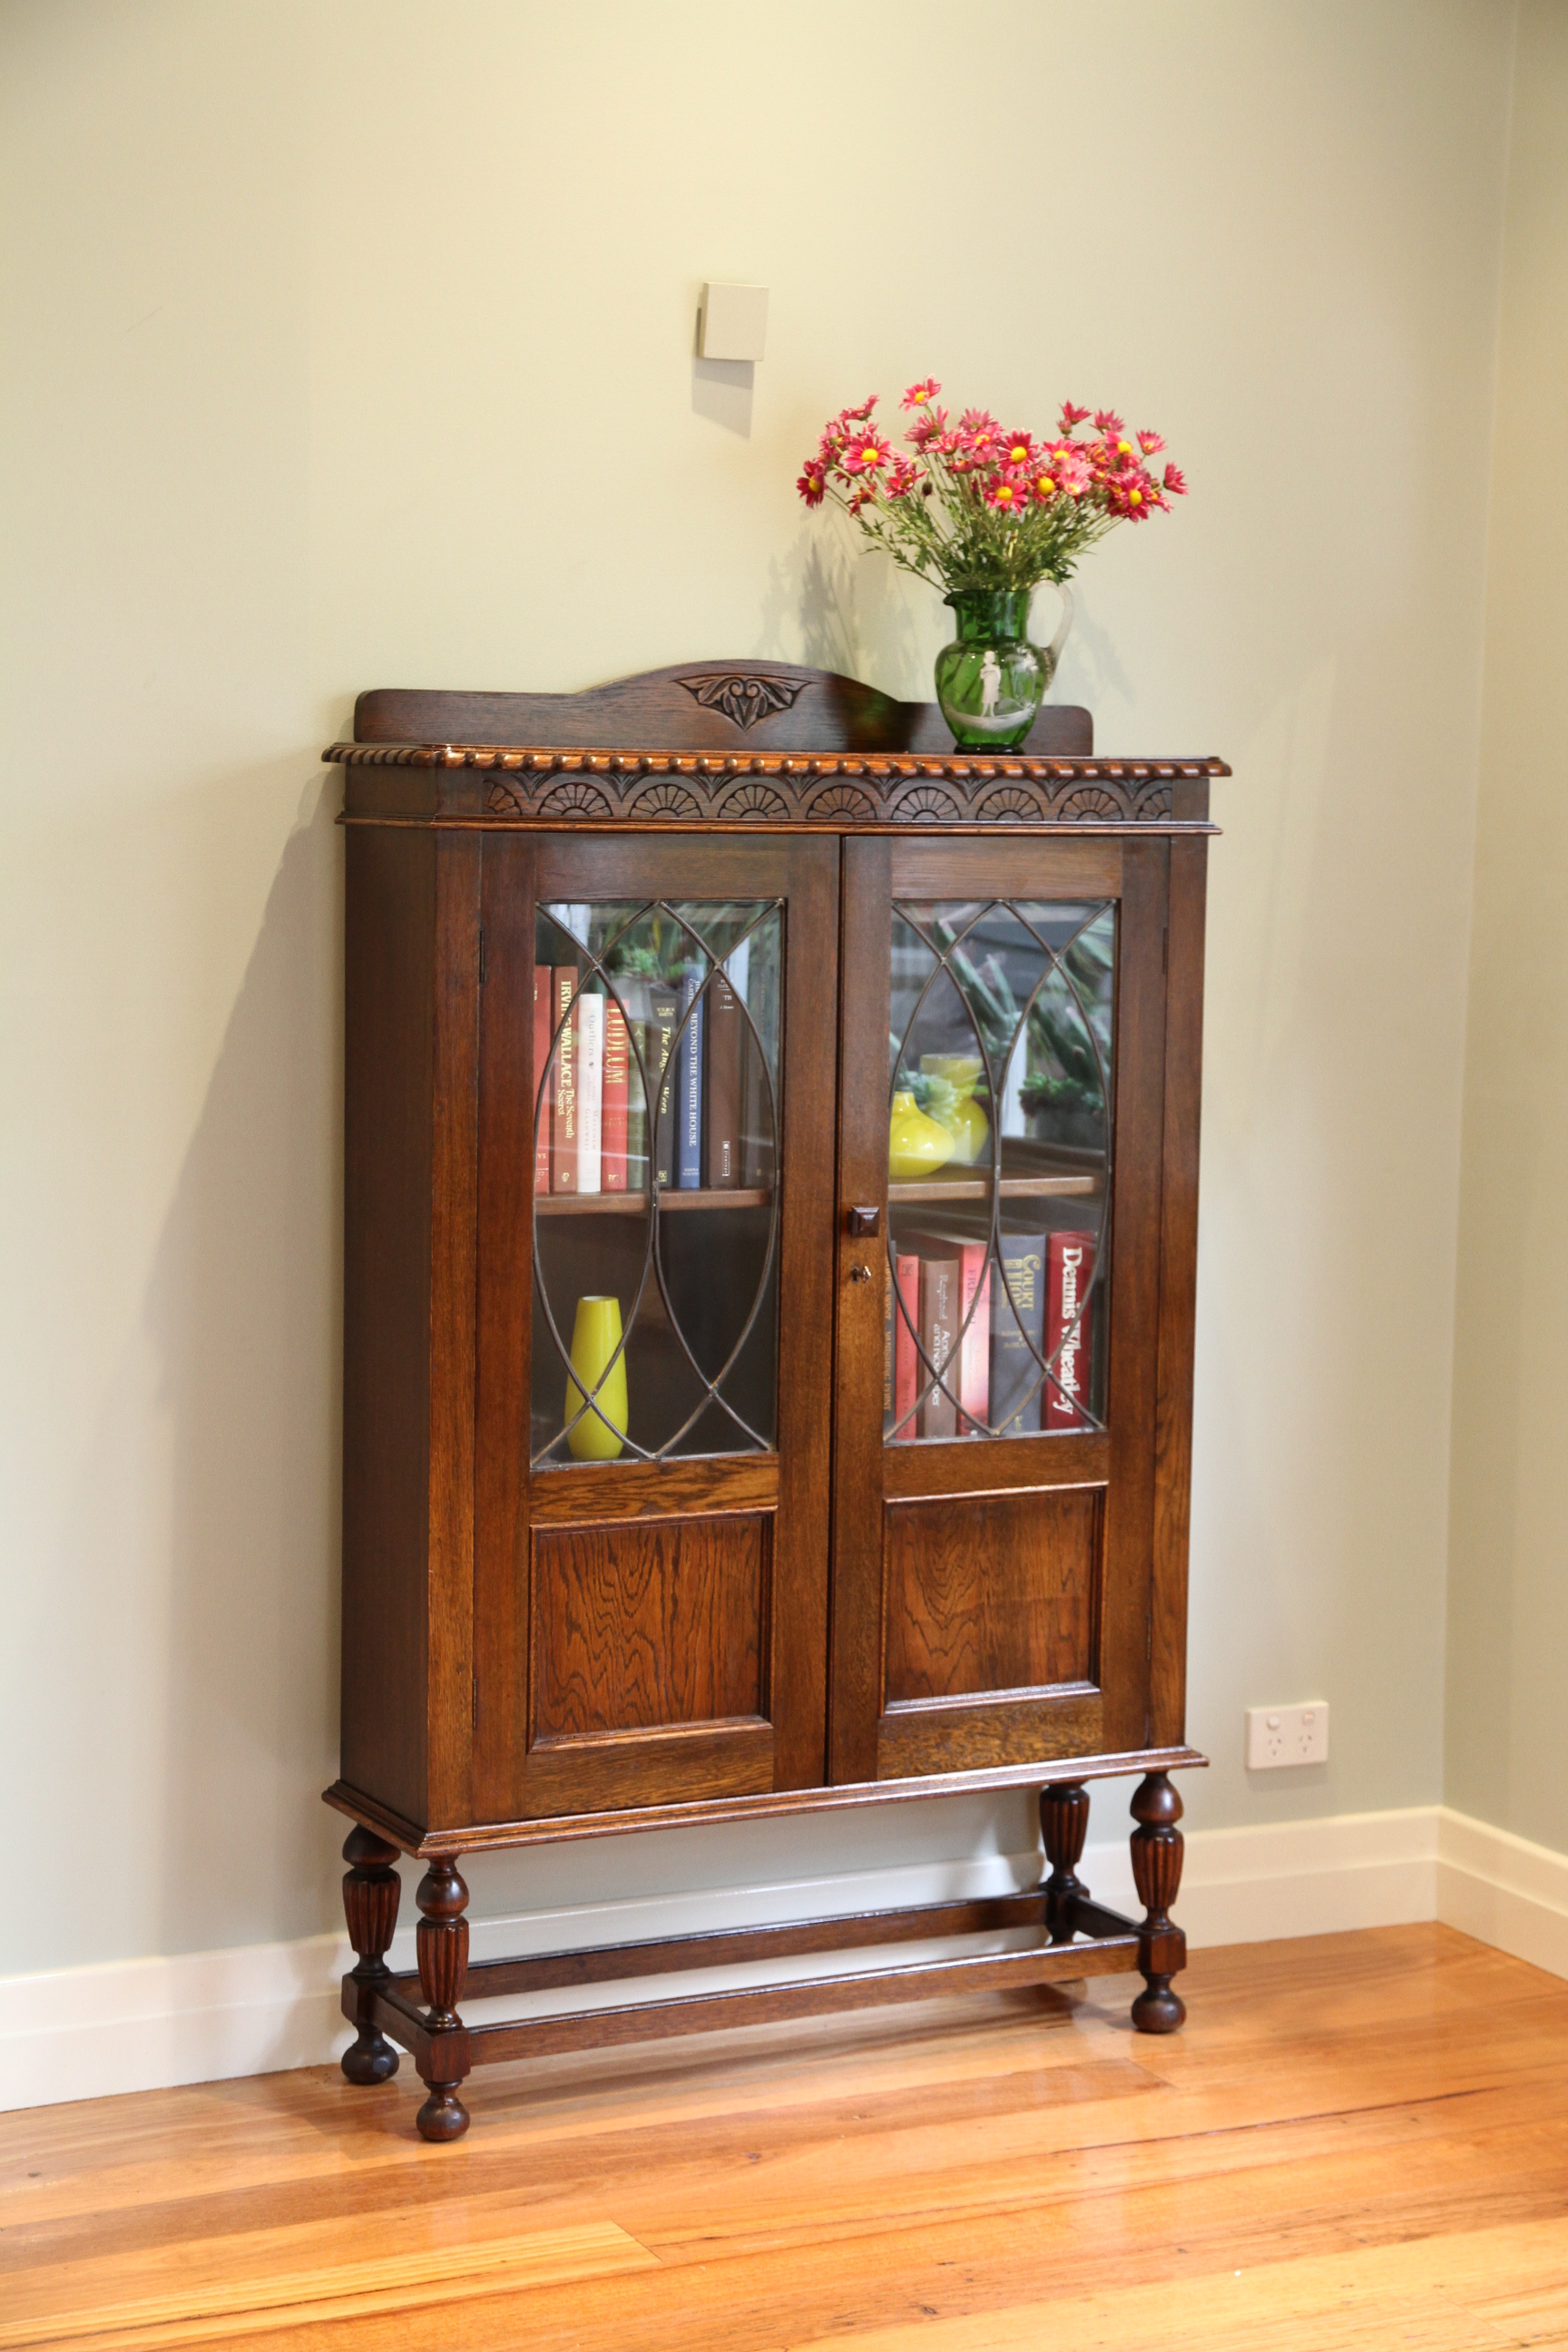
[[502, 801], [754, 801], [1088, 801], [927, 806], [841, 800], [665, 799], [575, 798], [1015, 800], [742, 697]]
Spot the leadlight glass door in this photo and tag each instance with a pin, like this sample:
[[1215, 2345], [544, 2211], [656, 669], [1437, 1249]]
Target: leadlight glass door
[[655, 1151], [1000, 1115]]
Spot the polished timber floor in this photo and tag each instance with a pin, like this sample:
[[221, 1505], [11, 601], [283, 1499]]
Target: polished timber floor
[[1362, 2141]]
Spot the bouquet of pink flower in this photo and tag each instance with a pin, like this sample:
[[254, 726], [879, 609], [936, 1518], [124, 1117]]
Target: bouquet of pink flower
[[976, 507]]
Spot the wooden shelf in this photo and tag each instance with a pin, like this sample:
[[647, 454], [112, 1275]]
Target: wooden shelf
[[634, 1204], [978, 1188]]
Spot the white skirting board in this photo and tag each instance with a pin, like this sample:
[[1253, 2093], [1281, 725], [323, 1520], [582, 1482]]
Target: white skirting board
[[137, 2025]]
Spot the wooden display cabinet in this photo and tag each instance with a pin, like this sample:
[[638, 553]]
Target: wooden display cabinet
[[883, 1491]]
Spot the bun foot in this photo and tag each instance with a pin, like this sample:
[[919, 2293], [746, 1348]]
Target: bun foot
[[1159, 2010], [444, 2115], [369, 2058]]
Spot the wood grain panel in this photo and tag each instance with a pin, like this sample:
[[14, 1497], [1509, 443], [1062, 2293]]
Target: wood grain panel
[[638, 1625], [708, 1483], [992, 1593], [977, 1735], [627, 1773], [982, 1465], [1178, 1289], [389, 1021]]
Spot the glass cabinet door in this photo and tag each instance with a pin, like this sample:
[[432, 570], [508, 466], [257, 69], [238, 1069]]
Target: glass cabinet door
[[1000, 1119], [1001, 1098], [655, 1200], [655, 1280]]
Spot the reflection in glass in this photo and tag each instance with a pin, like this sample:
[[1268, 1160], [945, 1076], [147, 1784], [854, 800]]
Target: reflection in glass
[[999, 1153], [658, 1029]]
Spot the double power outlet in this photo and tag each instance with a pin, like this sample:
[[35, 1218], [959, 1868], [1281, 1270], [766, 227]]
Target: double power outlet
[[1285, 1735]]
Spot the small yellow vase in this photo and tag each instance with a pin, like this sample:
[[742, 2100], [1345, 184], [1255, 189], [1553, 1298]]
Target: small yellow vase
[[966, 1122], [595, 1335], [917, 1146]]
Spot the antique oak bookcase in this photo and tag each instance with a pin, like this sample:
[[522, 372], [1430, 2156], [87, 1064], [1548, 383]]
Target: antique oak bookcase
[[771, 1206]]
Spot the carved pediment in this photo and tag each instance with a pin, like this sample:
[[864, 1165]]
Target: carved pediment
[[743, 695]]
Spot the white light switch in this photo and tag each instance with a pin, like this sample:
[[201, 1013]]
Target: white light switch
[[733, 323], [1286, 1735]]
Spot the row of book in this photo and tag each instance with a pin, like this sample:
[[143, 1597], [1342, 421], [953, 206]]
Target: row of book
[[593, 1133], [1041, 1309]]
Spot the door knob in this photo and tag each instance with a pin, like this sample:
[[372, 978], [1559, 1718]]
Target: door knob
[[863, 1221]]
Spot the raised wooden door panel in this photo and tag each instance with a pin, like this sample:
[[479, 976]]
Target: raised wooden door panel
[[651, 1559], [994, 1485]]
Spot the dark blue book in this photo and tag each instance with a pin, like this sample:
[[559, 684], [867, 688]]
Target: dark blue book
[[1017, 1309], [689, 1086]]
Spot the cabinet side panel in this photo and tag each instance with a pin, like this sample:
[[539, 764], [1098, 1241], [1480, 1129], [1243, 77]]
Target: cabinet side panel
[[454, 1182], [1178, 1289], [389, 1037]]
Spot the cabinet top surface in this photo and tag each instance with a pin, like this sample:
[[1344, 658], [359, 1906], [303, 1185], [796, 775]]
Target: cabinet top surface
[[744, 744]]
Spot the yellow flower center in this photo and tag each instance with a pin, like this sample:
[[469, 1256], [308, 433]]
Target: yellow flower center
[[873, 456], [1134, 498], [1004, 491], [1018, 455], [1125, 449], [1044, 483]]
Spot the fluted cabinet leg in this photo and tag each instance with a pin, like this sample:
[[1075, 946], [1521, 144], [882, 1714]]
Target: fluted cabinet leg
[[1064, 1825], [371, 1889], [443, 1939], [1157, 1874]]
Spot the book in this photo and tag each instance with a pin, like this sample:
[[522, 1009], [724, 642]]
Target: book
[[973, 1386], [543, 1081], [563, 1106], [589, 1023], [1069, 1268], [1017, 1319], [664, 1013], [689, 1086], [616, 1115], [723, 1108], [636, 1106], [939, 1293], [899, 1385]]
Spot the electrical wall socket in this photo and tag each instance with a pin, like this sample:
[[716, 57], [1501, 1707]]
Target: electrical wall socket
[[1285, 1735]]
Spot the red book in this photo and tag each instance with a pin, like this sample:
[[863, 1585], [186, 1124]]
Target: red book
[[899, 1358], [973, 1381], [615, 1100], [544, 1090], [563, 1112], [1069, 1268]]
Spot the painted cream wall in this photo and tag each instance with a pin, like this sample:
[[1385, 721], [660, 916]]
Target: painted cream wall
[[1509, 1577], [350, 344]]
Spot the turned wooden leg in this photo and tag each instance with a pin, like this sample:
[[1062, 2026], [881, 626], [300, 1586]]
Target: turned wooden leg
[[371, 1889], [1064, 1824], [443, 1940], [1157, 1874]]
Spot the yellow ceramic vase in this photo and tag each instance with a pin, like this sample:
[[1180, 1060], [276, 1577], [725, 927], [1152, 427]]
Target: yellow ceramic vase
[[595, 1335], [966, 1122], [917, 1146]]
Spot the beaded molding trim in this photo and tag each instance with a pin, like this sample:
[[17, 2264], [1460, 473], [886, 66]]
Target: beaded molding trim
[[834, 787]]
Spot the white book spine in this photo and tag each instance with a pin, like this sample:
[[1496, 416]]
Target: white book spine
[[590, 1090]]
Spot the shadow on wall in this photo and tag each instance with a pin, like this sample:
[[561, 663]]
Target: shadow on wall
[[242, 1315]]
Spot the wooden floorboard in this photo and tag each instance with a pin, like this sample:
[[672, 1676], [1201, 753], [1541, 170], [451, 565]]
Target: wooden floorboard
[[1361, 2142]]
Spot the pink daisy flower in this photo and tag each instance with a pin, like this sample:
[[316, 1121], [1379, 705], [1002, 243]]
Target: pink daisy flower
[[920, 395]]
